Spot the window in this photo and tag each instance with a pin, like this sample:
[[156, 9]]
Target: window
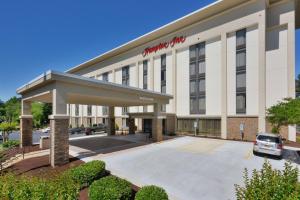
[[76, 109], [125, 75], [76, 122], [241, 71], [105, 77], [145, 74], [125, 81], [124, 110], [201, 85], [197, 79], [124, 122], [163, 78], [105, 110], [89, 110]]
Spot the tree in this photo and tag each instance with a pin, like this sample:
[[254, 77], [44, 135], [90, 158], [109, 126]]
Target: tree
[[286, 112], [6, 128], [12, 109], [40, 112]]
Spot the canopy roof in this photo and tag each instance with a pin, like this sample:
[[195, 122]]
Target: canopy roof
[[82, 90]]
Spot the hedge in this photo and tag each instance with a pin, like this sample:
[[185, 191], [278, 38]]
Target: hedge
[[151, 192], [86, 173], [269, 183], [11, 143], [14, 187], [110, 188]]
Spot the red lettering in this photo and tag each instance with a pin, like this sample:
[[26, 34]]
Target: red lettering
[[165, 45]]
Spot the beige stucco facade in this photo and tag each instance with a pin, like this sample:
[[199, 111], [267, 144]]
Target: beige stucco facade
[[270, 63]]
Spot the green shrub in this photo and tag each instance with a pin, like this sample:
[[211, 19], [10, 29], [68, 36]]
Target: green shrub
[[24, 188], [110, 188], [11, 143], [86, 173], [151, 192], [270, 184]]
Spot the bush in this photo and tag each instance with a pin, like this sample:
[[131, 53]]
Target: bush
[[86, 173], [110, 188], [270, 183], [24, 188], [151, 192], [11, 143]]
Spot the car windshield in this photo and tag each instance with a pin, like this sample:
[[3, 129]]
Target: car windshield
[[268, 138]]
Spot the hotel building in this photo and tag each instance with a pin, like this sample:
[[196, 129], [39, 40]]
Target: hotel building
[[224, 65]]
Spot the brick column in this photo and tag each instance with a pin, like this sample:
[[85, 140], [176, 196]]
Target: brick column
[[157, 132], [131, 125], [59, 140], [111, 129], [26, 130]]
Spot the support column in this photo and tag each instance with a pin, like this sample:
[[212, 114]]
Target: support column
[[59, 137], [111, 128], [59, 140], [262, 73], [26, 124], [224, 87], [131, 124], [157, 124]]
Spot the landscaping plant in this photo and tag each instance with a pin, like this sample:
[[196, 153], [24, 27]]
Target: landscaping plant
[[86, 173], [270, 184], [14, 187], [151, 192], [110, 188], [286, 112], [11, 143]]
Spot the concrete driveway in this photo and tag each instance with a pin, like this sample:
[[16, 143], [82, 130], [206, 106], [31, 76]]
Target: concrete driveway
[[188, 168]]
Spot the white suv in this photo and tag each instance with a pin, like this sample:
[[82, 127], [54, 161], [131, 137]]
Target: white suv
[[268, 143]]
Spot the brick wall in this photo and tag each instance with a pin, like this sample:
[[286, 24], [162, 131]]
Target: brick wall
[[250, 127]]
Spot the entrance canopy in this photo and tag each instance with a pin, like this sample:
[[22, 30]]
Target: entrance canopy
[[61, 89], [55, 86]]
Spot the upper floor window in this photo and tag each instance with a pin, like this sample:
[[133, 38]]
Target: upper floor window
[[125, 75], [89, 110], [76, 109], [145, 74], [241, 71], [163, 77], [197, 79], [105, 77]]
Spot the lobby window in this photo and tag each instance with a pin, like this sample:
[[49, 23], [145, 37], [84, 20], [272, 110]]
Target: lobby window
[[145, 74], [241, 71], [76, 109], [105, 77], [163, 77], [89, 110], [125, 75], [197, 79]]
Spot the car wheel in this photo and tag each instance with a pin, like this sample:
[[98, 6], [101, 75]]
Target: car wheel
[[254, 153]]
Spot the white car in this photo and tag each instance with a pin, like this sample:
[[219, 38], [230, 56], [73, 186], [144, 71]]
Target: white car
[[268, 143], [46, 130]]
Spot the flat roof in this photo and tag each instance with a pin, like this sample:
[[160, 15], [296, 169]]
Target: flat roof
[[196, 16]]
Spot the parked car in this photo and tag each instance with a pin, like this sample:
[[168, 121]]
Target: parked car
[[268, 143], [76, 130], [46, 130], [95, 128]]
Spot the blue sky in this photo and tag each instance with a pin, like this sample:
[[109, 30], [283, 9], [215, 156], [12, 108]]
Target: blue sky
[[38, 35]]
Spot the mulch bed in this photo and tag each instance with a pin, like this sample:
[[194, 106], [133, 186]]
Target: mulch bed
[[292, 144], [40, 167]]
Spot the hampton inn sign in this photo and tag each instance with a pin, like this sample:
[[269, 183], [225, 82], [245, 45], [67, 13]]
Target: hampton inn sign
[[164, 45]]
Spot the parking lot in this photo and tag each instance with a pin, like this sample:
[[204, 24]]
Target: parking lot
[[188, 168]]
